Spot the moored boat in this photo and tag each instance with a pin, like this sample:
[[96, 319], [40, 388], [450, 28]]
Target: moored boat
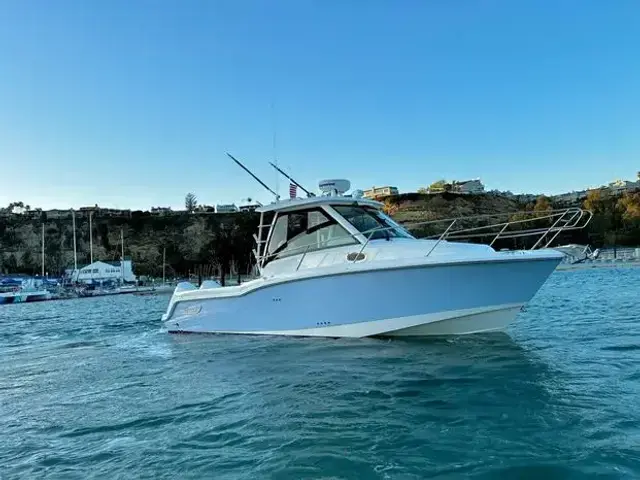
[[28, 291]]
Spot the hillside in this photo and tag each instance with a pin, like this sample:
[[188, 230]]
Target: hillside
[[200, 243], [616, 219], [192, 242], [415, 207]]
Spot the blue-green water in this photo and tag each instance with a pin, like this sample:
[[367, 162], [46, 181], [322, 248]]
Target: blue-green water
[[92, 388]]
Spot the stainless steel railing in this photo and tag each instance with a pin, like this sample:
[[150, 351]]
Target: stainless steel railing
[[560, 221]]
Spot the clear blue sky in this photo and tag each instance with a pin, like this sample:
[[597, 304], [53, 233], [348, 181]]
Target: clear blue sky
[[134, 103]]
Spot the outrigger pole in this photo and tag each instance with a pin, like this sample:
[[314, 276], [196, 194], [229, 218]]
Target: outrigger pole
[[256, 178], [309, 194]]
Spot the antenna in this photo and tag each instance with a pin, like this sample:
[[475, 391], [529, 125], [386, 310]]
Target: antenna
[[309, 194], [275, 156], [251, 173]]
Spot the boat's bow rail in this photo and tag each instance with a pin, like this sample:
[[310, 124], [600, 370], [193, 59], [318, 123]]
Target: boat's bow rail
[[546, 225]]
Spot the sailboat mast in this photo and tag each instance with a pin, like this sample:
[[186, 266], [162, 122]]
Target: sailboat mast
[[164, 263], [90, 238], [122, 252], [75, 250], [43, 249]]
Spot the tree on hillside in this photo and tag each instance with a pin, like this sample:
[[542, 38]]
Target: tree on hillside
[[390, 207], [543, 204], [10, 264], [595, 201], [28, 264], [190, 202], [608, 216], [17, 207], [221, 249], [440, 186], [629, 205]]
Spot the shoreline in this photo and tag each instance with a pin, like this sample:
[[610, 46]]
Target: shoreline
[[593, 265]]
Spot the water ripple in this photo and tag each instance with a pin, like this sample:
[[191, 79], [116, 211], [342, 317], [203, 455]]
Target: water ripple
[[95, 389]]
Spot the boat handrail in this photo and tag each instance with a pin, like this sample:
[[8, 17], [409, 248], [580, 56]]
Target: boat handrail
[[567, 219]]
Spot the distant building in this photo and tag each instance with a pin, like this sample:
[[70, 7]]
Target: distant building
[[36, 213], [437, 187], [380, 192], [104, 212], [570, 197], [468, 186], [56, 213], [103, 271], [621, 186], [205, 209], [465, 187], [114, 212], [229, 208], [161, 210], [527, 197], [89, 209], [249, 207]]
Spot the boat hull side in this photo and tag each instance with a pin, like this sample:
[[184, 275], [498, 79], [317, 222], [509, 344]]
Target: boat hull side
[[433, 300], [445, 323]]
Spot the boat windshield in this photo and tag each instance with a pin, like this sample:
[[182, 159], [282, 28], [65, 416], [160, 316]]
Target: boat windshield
[[368, 220], [305, 231]]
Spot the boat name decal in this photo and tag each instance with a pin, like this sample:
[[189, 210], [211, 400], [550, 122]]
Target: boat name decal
[[193, 310]]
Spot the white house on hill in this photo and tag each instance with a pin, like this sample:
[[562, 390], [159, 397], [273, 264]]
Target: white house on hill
[[468, 186], [230, 208], [102, 271]]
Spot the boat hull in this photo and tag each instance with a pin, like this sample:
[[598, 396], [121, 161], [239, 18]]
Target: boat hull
[[422, 300], [25, 297]]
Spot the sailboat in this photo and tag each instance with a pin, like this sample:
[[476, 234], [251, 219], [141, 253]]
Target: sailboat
[[30, 290], [163, 288]]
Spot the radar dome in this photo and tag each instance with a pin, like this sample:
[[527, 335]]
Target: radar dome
[[334, 186]]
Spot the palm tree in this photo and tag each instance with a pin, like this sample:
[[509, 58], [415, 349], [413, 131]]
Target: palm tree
[[220, 249], [190, 202]]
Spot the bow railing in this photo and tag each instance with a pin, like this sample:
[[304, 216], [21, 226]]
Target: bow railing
[[517, 225]]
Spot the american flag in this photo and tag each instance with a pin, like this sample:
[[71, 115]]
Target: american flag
[[293, 189]]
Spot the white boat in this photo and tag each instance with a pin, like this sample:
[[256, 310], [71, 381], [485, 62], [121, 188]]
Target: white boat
[[575, 254], [337, 266], [29, 291]]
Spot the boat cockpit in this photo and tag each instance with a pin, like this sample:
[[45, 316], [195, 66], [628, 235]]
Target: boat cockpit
[[309, 225]]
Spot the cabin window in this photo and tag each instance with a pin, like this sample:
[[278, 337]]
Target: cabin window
[[306, 231], [279, 234], [370, 221]]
